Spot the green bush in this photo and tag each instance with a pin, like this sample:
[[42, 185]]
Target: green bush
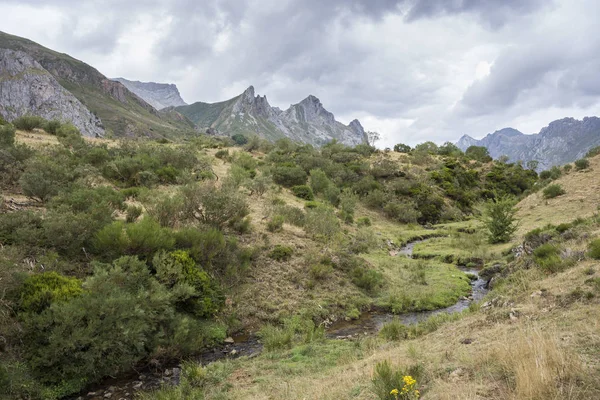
[[552, 191], [321, 222], [319, 181], [594, 249], [281, 253], [402, 148], [363, 241], [289, 175], [52, 126], [303, 192], [165, 209], [582, 164], [567, 168], [547, 257], [367, 279], [205, 245], [43, 178], [212, 205], [29, 122], [275, 224], [403, 212], [239, 139], [7, 135], [195, 291], [292, 215], [120, 319], [39, 291]]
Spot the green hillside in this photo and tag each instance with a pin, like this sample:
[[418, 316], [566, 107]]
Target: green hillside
[[122, 113]]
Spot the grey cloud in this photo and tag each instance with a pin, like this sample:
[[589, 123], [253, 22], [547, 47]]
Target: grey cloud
[[495, 13]]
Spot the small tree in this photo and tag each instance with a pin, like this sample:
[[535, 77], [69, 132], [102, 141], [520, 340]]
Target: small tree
[[532, 164], [478, 153], [499, 219], [373, 137], [402, 148]]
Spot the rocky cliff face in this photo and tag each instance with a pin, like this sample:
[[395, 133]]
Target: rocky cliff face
[[27, 88], [122, 112], [561, 142], [306, 122], [158, 95]]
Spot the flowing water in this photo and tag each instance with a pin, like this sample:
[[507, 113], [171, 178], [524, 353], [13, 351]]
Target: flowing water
[[369, 323]]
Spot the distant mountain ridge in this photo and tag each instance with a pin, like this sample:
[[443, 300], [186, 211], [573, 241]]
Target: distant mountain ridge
[[306, 122], [561, 142], [121, 112], [158, 95]]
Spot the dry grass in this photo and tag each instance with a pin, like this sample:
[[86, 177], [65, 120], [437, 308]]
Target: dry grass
[[38, 139], [581, 200]]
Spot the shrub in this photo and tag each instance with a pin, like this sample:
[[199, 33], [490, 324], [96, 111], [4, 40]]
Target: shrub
[[133, 213], [393, 384], [147, 237], [213, 205], [205, 245], [289, 176], [582, 164], [275, 224], [594, 151], [165, 209], [363, 221], [29, 122], [44, 177], [567, 168], [366, 279], [478, 153], [403, 212], [52, 126], [547, 257], [377, 199], [303, 192], [120, 319], [552, 191], [594, 249], [363, 241], [39, 291], [195, 291], [291, 214], [319, 181], [499, 219], [402, 148], [239, 139], [7, 135], [321, 222], [281, 253]]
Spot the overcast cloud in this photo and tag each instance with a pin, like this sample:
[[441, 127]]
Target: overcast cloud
[[414, 70]]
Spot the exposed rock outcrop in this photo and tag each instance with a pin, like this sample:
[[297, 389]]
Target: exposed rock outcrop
[[27, 88], [306, 122], [158, 95], [562, 141]]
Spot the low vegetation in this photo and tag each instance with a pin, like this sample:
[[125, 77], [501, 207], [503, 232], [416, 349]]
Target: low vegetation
[[116, 254]]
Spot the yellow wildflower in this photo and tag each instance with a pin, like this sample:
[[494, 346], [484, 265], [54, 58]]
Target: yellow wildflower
[[394, 392]]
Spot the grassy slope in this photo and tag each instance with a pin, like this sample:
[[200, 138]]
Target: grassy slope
[[132, 117], [582, 199], [537, 340]]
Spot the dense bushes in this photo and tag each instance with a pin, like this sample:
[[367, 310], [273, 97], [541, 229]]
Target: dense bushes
[[303, 192], [29, 122], [553, 191], [39, 291], [582, 164], [281, 253], [289, 175]]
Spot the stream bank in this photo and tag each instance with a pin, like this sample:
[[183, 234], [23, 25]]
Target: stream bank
[[369, 322]]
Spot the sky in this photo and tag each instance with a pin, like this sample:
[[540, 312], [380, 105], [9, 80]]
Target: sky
[[412, 70]]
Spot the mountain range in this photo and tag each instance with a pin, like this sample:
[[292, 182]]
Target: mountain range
[[306, 122], [562, 141], [52, 75], [39, 81]]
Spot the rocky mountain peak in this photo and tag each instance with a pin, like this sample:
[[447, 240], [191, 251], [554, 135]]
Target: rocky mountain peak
[[27, 88], [158, 95]]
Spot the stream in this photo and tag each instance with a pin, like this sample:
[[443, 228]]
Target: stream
[[368, 323]]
